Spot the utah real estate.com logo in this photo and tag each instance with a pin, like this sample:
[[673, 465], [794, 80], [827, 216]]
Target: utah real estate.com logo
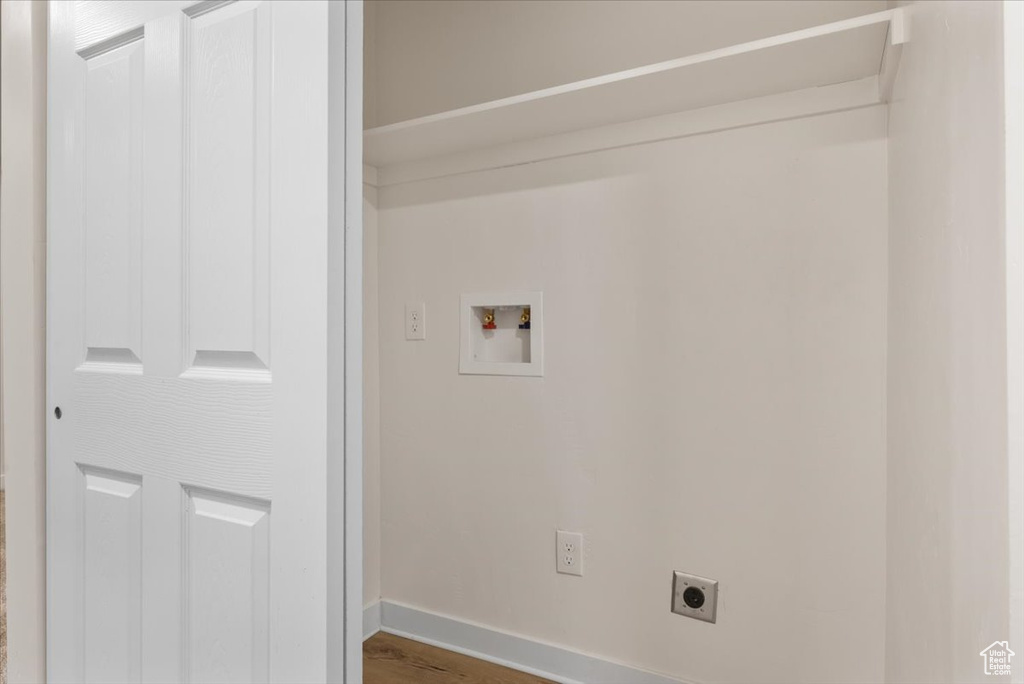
[[997, 658]]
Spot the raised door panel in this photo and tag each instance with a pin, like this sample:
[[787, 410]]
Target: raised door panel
[[227, 587], [112, 211], [112, 576], [227, 170]]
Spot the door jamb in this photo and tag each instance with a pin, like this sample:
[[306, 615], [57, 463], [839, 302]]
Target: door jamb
[[353, 341], [345, 342], [23, 36]]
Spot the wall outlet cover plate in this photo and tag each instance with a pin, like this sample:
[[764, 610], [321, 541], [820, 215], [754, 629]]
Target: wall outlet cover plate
[[416, 321], [695, 596], [569, 553]]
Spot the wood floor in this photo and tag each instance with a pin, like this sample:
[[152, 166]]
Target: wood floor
[[388, 659]]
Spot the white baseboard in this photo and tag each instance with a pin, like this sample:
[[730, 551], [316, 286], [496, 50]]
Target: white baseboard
[[371, 620], [519, 653]]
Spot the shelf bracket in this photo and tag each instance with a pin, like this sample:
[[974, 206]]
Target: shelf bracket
[[891, 53]]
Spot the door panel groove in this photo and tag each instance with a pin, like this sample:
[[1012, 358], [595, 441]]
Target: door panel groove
[[112, 43]]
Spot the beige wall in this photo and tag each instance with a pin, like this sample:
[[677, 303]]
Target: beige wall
[[22, 328], [714, 400], [428, 56], [947, 533]]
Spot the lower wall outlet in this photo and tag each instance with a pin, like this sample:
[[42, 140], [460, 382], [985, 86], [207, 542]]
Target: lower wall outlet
[[569, 553], [695, 597], [416, 321]]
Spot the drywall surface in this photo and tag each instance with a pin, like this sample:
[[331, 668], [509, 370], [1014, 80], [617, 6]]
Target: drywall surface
[[947, 595], [23, 330], [713, 400], [371, 403], [430, 56], [1013, 83]]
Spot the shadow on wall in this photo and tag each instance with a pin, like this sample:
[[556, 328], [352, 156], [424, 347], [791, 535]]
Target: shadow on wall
[[631, 160], [714, 373], [3, 592]]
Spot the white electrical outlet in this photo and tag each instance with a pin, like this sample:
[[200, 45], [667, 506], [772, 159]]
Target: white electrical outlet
[[415, 321], [569, 553]]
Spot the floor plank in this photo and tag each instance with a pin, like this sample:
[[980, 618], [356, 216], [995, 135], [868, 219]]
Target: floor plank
[[388, 659]]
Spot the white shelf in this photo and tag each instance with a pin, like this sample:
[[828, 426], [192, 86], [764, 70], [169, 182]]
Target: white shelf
[[842, 51]]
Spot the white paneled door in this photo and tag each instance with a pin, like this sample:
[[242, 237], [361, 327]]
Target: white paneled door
[[190, 467]]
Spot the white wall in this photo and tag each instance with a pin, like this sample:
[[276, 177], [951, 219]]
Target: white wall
[[1013, 63], [714, 400], [431, 56], [371, 402], [22, 304], [947, 592]]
